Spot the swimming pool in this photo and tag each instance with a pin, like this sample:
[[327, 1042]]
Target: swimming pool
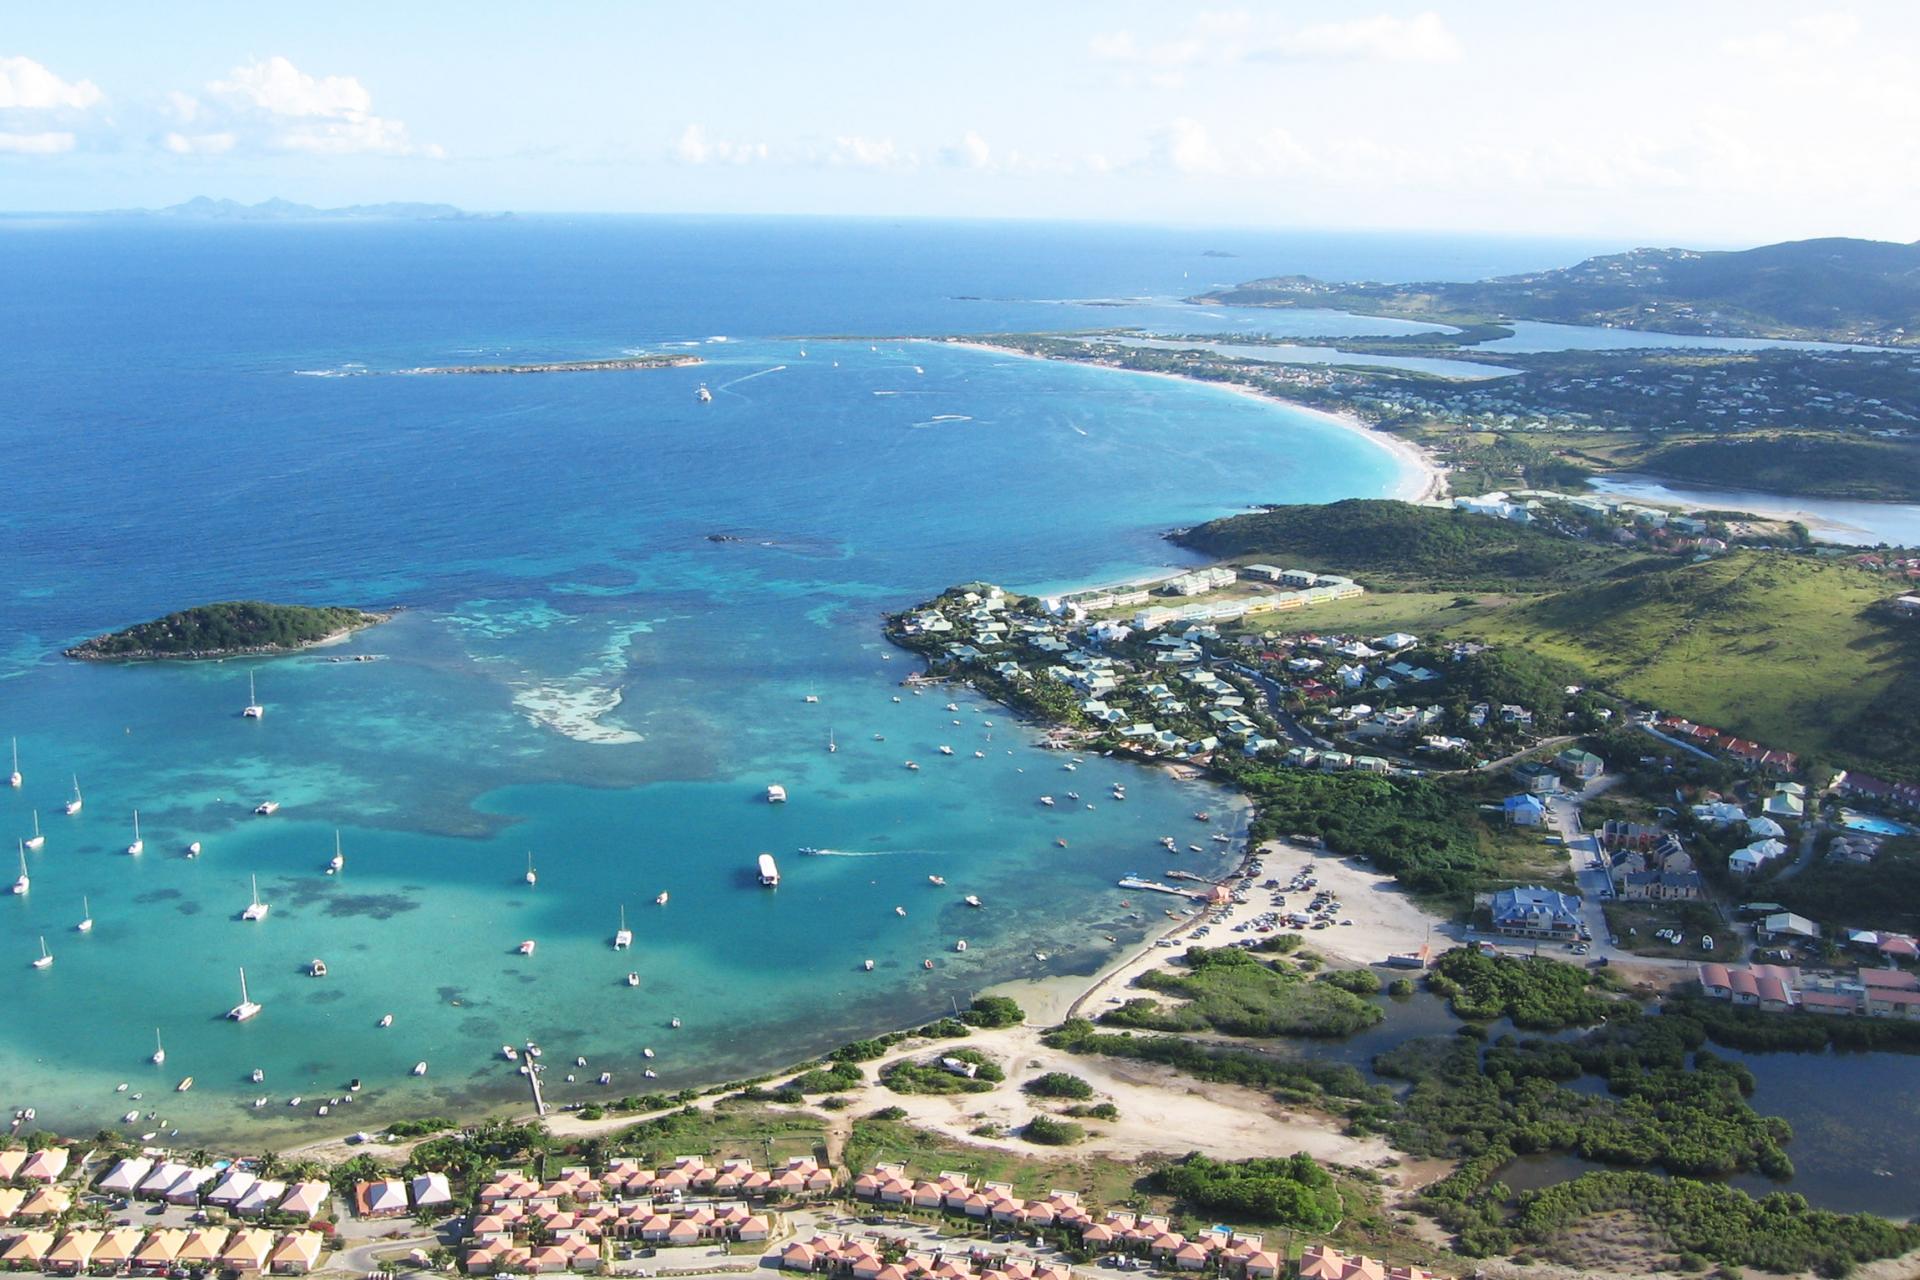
[[1873, 825]]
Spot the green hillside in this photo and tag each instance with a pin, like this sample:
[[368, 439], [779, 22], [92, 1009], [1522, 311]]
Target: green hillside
[[1786, 650], [234, 626], [1381, 539], [1788, 462]]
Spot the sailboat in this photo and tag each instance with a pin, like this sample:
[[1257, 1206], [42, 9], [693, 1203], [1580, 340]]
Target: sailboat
[[46, 957], [13, 779], [339, 860], [36, 841], [86, 917], [532, 878], [23, 883], [256, 910], [623, 936], [76, 804], [159, 1050], [831, 747], [246, 1008], [253, 711], [138, 846]]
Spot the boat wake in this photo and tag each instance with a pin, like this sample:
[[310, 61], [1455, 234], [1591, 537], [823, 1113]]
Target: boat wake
[[749, 377], [351, 369], [943, 419], [862, 853]]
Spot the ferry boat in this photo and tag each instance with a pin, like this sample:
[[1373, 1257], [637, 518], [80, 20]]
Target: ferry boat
[[247, 1008], [256, 910], [623, 936], [13, 779], [253, 709], [78, 802], [138, 846], [46, 957], [86, 917], [36, 841], [25, 882], [769, 871]]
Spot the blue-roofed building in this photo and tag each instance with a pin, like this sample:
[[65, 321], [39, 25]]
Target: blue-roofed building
[[1525, 811], [1528, 911]]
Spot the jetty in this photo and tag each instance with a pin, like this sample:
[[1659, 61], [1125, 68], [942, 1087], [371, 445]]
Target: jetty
[[1154, 886]]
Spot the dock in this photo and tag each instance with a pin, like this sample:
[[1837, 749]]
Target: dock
[[1154, 886], [533, 1081]]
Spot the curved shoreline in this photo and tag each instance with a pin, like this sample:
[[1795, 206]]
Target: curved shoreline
[[1426, 481]]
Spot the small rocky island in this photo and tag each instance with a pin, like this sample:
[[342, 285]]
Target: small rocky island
[[573, 366], [229, 629]]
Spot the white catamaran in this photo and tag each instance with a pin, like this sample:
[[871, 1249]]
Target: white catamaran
[[256, 910], [623, 936], [246, 1008]]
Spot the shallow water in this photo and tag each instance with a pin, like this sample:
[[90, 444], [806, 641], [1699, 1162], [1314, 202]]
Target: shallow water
[[580, 672]]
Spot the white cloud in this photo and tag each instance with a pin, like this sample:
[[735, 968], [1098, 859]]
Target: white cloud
[[971, 152], [1188, 147], [1227, 38], [36, 144], [270, 104], [854, 151], [28, 86], [199, 144], [694, 147], [1382, 38]]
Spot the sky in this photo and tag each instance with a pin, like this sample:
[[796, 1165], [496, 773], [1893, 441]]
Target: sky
[[1705, 122]]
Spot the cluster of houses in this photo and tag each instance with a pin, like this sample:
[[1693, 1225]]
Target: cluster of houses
[[1649, 864], [30, 1240], [1864, 786], [1529, 911], [863, 1259], [163, 1250], [1741, 750], [1872, 993], [1147, 1236], [522, 1226]]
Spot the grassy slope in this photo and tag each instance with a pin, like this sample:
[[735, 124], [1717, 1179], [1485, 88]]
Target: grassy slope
[[1781, 649]]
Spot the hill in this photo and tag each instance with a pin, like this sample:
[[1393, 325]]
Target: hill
[[1814, 465], [1787, 650], [1382, 539], [1832, 289], [225, 629], [205, 208]]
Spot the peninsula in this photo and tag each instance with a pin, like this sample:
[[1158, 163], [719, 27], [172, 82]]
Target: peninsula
[[228, 629], [618, 364], [1833, 290]]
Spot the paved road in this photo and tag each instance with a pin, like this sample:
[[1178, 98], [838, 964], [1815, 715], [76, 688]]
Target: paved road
[[362, 1258]]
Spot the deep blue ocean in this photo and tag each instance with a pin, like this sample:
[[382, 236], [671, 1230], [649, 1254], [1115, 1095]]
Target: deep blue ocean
[[195, 412]]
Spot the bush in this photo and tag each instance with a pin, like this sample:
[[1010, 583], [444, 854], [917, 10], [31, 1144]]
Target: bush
[[889, 1114], [994, 1011], [835, 1077], [1049, 1131], [1534, 991], [1098, 1111], [908, 1076], [1059, 1084], [1361, 982], [1292, 1190], [1400, 987]]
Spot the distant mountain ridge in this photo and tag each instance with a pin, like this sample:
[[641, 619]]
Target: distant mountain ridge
[[1833, 289], [277, 210]]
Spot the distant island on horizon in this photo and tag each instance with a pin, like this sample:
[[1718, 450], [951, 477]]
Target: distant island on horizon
[[208, 209], [1834, 289]]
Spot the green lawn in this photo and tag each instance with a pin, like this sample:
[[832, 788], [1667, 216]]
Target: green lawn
[[725, 1131], [1097, 1178]]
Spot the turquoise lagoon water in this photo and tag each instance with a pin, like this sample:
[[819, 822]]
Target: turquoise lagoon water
[[580, 672]]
